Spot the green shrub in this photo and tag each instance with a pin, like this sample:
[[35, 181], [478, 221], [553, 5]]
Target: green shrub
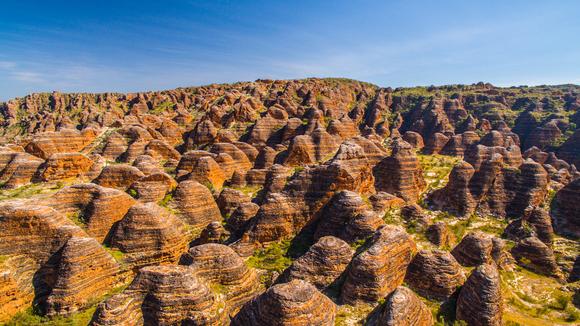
[[272, 258], [165, 201], [132, 192], [560, 303]]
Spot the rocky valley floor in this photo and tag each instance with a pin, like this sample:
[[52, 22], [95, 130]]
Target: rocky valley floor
[[295, 202]]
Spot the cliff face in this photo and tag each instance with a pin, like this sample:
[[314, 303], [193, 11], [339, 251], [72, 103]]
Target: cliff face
[[285, 202]]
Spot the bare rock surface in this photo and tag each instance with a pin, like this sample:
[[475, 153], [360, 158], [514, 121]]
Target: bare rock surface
[[150, 235], [322, 264], [480, 298], [377, 271], [434, 274], [294, 303], [403, 307]]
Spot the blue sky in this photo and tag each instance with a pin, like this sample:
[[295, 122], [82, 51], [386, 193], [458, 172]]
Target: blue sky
[[98, 46]]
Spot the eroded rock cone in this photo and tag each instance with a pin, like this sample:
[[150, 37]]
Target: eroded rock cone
[[21, 170], [284, 213], [84, 272], [435, 143], [474, 249], [194, 204], [535, 222], [415, 216], [322, 264], [64, 141], [214, 232], [33, 230], [293, 303], [400, 174], [209, 171], [434, 274], [154, 187], [347, 217], [16, 290], [565, 212], [118, 176], [98, 208], [229, 199], [456, 196], [238, 221], [480, 299], [415, 139], [377, 271], [149, 234], [439, 234], [534, 255], [163, 295], [121, 309], [501, 255], [62, 166], [403, 308], [382, 202], [222, 266]]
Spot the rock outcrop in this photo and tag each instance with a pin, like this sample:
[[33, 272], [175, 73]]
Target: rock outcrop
[[97, 208], [403, 308], [347, 217], [293, 303], [220, 265], [400, 174], [322, 264], [474, 249], [480, 298], [439, 234], [150, 235], [60, 166], [84, 272], [64, 141], [534, 255], [434, 274], [535, 222], [153, 187], [163, 295], [565, 212], [377, 271], [118, 176], [493, 189], [194, 204]]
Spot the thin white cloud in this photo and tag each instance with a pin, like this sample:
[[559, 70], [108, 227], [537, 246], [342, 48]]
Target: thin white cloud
[[6, 65], [27, 76]]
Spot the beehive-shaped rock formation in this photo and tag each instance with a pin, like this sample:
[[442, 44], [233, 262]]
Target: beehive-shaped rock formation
[[162, 295], [60, 166], [434, 274], [219, 264], [85, 272], [403, 308], [377, 271], [149, 235], [294, 303], [153, 187], [480, 300], [565, 212], [474, 249], [118, 176], [347, 217], [533, 254], [98, 208], [322, 264], [194, 204], [400, 174]]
